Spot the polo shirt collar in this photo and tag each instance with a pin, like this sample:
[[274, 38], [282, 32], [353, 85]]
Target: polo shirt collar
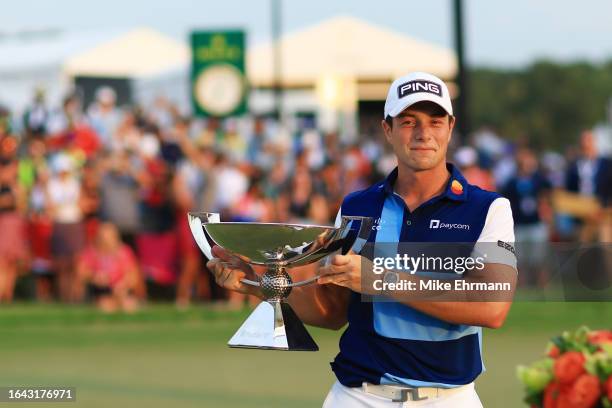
[[456, 188]]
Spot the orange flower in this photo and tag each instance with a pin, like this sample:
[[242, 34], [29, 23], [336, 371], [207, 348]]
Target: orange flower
[[553, 352], [600, 336], [551, 393], [569, 366], [585, 392], [608, 388]]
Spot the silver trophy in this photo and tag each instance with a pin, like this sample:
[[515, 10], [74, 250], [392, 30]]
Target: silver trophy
[[273, 324]]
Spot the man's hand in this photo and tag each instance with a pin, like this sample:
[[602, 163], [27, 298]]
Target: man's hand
[[229, 270], [345, 270]]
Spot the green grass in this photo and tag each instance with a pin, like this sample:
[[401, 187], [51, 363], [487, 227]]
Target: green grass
[[161, 357]]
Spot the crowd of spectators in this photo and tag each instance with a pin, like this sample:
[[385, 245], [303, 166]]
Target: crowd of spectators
[[93, 200]]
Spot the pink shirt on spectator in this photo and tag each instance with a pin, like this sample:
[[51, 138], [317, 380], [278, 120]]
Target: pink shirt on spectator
[[114, 265]]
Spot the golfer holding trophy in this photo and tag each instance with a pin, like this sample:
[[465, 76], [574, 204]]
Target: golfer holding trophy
[[406, 350]]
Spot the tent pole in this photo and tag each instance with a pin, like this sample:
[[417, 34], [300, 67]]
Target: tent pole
[[276, 8], [462, 79]]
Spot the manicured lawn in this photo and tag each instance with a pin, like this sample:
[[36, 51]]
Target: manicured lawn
[[161, 357]]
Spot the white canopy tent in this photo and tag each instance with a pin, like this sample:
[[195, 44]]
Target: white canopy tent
[[347, 47], [33, 59], [141, 52], [154, 63], [328, 68], [50, 60]]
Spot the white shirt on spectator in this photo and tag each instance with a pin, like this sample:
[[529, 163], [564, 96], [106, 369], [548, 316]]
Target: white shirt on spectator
[[64, 197]]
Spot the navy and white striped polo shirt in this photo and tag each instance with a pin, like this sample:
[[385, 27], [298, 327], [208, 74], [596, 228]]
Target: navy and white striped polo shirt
[[392, 343]]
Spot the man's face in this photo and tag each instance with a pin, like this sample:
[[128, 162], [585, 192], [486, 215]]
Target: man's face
[[420, 135], [588, 145], [526, 161]]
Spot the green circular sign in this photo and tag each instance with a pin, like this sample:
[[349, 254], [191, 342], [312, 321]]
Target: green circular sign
[[219, 89]]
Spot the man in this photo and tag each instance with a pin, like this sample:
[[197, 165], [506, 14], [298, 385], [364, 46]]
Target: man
[[36, 115], [591, 176], [529, 194], [413, 349], [104, 115]]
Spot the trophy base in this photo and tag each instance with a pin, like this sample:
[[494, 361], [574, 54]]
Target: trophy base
[[273, 325]]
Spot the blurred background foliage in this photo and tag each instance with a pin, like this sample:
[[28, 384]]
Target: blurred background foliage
[[547, 102]]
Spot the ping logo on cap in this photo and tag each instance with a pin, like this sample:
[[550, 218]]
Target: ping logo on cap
[[419, 85]]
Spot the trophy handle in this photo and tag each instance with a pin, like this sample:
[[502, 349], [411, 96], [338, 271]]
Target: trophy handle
[[196, 219], [365, 229], [250, 282], [304, 282]]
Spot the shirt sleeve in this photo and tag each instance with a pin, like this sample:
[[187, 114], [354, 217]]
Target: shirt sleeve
[[496, 241], [338, 221]]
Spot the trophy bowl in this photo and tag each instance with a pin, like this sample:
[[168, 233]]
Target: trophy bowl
[[273, 324]]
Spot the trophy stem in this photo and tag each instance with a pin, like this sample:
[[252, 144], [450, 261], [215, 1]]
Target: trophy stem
[[273, 325]]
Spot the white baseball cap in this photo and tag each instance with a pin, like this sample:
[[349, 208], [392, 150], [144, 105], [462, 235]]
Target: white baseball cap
[[62, 163], [416, 87], [466, 156]]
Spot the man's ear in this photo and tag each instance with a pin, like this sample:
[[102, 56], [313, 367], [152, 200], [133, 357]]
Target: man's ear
[[451, 125], [386, 130]]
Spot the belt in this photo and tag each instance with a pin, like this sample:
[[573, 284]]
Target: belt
[[399, 393]]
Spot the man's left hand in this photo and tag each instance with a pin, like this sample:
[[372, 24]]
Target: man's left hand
[[345, 270]]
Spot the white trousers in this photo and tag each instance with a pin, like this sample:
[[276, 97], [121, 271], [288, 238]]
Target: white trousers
[[346, 397]]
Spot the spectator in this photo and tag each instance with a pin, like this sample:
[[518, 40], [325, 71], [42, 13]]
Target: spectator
[[212, 135], [233, 180], [466, 158], [90, 199], [128, 134], [68, 236], [233, 143], [32, 163], [40, 230], [71, 132], [36, 115], [257, 151], [13, 241], [253, 206], [119, 197], [157, 241], [529, 195], [357, 168], [109, 269], [170, 148], [591, 176], [194, 190], [301, 203], [104, 116]]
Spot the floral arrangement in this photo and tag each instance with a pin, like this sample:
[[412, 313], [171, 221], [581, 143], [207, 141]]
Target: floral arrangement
[[576, 373]]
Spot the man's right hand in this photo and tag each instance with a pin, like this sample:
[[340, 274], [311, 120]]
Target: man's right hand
[[229, 270]]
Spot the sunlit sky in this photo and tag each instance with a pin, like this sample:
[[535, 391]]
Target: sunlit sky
[[498, 33]]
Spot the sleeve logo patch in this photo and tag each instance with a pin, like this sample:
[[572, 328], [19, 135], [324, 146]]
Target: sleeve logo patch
[[506, 246]]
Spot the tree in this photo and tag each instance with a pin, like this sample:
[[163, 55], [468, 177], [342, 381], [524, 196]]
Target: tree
[[548, 102]]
